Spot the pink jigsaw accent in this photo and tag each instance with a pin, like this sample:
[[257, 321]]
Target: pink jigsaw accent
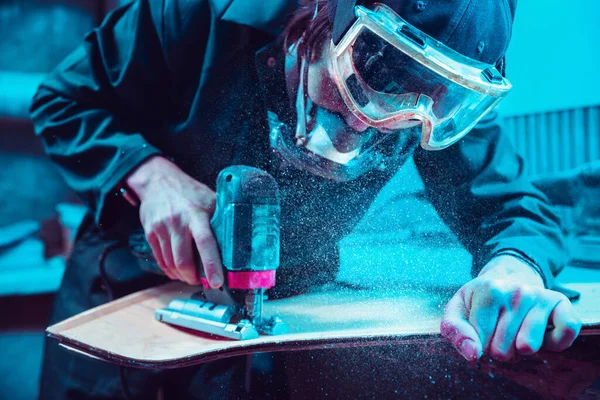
[[251, 280], [205, 284]]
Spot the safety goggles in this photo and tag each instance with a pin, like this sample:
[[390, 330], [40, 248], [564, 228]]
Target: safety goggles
[[393, 76]]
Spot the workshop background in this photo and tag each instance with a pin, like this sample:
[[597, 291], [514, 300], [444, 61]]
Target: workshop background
[[553, 117]]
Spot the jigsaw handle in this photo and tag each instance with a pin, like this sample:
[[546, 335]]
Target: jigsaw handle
[[245, 223]]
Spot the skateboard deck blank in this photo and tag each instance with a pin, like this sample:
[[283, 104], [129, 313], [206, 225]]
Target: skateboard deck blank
[[125, 332]]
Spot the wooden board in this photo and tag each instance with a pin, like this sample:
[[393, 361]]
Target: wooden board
[[125, 331]]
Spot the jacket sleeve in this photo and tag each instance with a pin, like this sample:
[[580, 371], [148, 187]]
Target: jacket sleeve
[[479, 188], [99, 113]]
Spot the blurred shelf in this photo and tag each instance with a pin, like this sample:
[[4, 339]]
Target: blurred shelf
[[16, 91], [576, 274], [32, 280], [24, 271], [584, 250]]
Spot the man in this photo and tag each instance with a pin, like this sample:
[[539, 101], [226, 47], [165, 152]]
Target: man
[[163, 95]]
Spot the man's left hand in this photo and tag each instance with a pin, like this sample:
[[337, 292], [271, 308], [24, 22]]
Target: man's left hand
[[507, 311]]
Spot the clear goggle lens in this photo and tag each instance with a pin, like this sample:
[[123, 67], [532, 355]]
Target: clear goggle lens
[[390, 89]]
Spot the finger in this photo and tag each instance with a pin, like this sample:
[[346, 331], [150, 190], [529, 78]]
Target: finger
[[502, 345], [485, 310], [456, 328], [183, 256], [167, 254], [208, 248], [157, 253], [531, 333], [567, 325]]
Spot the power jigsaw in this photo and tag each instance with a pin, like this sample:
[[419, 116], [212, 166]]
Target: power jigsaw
[[246, 227]]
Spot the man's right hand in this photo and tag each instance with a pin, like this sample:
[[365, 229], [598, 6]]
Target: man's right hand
[[175, 212]]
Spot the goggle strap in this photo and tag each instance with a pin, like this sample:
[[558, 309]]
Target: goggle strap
[[301, 100], [343, 17]]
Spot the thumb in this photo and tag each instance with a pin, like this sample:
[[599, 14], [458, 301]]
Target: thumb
[[456, 327]]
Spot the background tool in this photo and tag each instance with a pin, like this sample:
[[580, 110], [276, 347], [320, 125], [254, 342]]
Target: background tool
[[246, 227]]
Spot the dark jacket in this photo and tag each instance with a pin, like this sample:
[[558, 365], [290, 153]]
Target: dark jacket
[[186, 79]]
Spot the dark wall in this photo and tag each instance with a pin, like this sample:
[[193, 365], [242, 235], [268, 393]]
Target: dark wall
[[35, 35], [38, 34]]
